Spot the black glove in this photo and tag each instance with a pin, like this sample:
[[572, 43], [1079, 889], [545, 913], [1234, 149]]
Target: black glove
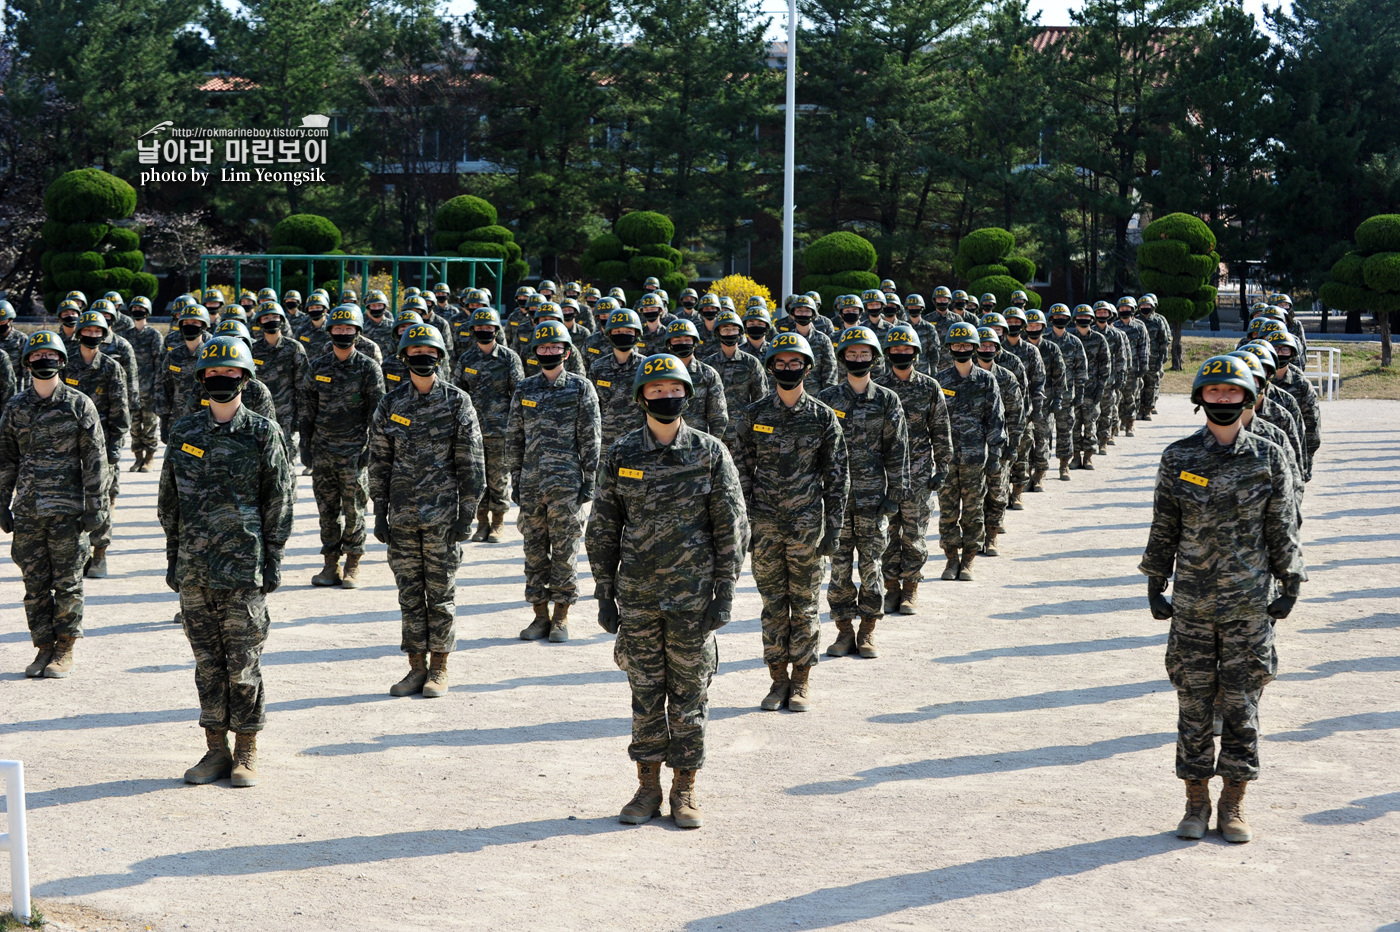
[[585, 495], [993, 466], [304, 449], [935, 482], [515, 488], [721, 604], [7, 519], [272, 575], [114, 458], [608, 616], [1280, 607], [1161, 608], [170, 579], [461, 528], [889, 507], [92, 520], [381, 522], [827, 545]]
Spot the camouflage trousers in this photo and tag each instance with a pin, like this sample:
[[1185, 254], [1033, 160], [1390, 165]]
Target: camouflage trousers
[[51, 554], [102, 537], [907, 551], [865, 532], [998, 495], [424, 563], [342, 491], [1067, 421], [1128, 399], [1040, 432], [960, 500], [1085, 426], [553, 530], [788, 573], [1151, 384], [669, 659], [1231, 660], [165, 422], [1021, 469], [227, 629], [1108, 412], [497, 497], [289, 432], [144, 424]]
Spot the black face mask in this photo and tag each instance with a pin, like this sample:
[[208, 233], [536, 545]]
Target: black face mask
[[1102, 321], [375, 313], [44, 368], [683, 350], [139, 315], [914, 313], [421, 364], [664, 410], [521, 302], [570, 315], [986, 356], [1034, 335], [902, 361], [90, 342], [1013, 331], [962, 355], [1223, 414], [687, 303], [223, 388], [709, 313], [650, 314], [756, 333], [942, 305], [484, 336], [316, 313], [551, 362], [1125, 316], [729, 339], [191, 331], [802, 320], [850, 317], [68, 322], [343, 340], [1083, 324], [622, 341], [789, 378], [859, 369], [5, 330], [290, 305], [272, 326]]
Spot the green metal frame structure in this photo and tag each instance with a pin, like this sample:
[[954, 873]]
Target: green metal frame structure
[[436, 265]]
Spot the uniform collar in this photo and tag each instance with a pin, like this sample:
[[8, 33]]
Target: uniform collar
[[237, 422], [685, 439]]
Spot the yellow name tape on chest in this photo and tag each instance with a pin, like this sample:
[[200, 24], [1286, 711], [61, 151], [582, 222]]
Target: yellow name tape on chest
[[604, 383], [469, 370], [528, 403], [191, 450], [324, 378], [304, 339], [595, 351], [70, 381], [392, 377], [630, 473], [400, 419], [841, 414], [204, 401], [1194, 479], [763, 428], [258, 361], [949, 392], [176, 369]]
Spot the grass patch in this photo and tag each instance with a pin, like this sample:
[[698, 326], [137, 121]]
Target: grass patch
[[1362, 373]]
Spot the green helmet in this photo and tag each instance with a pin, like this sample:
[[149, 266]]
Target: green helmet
[[413, 291], [727, 301], [759, 314], [213, 295], [234, 328], [291, 296], [1081, 310], [1019, 294], [856, 336], [1281, 338], [347, 314], [1256, 366], [1034, 316], [142, 302], [709, 299], [195, 312], [591, 292], [959, 295], [476, 296], [988, 335], [1267, 357], [180, 303], [987, 298], [1060, 310], [942, 292], [548, 310], [652, 282], [681, 328], [416, 303], [573, 288], [802, 300], [115, 297], [1102, 305], [605, 306], [421, 334], [728, 316], [888, 285], [103, 306], [961, 333], [789, 343], [1279, 299], [267, 294], [233, 312], [872, 296], [1014, 313], [847, 301], [993, 319], [658, 368], [816, 296], [269, 309], [901, 335], [406, 318], [442, 288], [1224, 370], [1148, 300], [551, 331], [652, 300], [1128, 301], [1271, 326], [77, 296], [618, 292], [94, 319], [524, 291], [226, 351], [914, 303], [486, 317], [624, 317], [375, 297], [68, 304], [7, 310], [44, 339]]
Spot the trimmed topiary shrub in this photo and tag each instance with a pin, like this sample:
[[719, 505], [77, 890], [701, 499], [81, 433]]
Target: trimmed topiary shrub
[[1382, 271], [644, 227], [839, 263], [89, 195], [987, 271], [985, 262], [1378, 290], [1189, 229], [478, 250], [854, 281], [83, 250], [447, 241], [1380, 233], [1349, 269], [1177, 260], [464, 212], [639, 247], [1020, 268], [309, 233], [986, 246], [1000, 285], [466, 226]]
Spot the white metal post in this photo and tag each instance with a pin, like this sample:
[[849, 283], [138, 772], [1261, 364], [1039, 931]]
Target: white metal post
[[789, 150], [16, 840]]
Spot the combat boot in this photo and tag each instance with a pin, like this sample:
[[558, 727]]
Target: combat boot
[[245, 759], [330, 575], [646, 802], [140, 458], [910, 603], [893, 595], [950, 572], [483, 524], [350, 578], [845, 640], [684, 809], [1197, 819], [781, 687], [498, 521], [1103, 448], [865, 639], [559, 624], [61, 663], [1037, 480], [413, 682], [1087, 461], [540, 626], [1064, 468], [97, 565], [216, 763], [800, 697], [41, 660], [146, 464], [1230, 815], [1015, 504], [436, 685], [965, 564], [989, 546]]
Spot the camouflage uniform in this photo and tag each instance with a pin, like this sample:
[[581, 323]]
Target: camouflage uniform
[[490, 380], [434, 318], [596, 347], [1089, 423], [1075, 412], [9, 385], [382, 335], [146, 345], [225, 503], [930, 452], [12, 346], [104, 381], [745, 381], [707, 410], [931, 353], [53, 460], [1224, 521], [1033, 401], [552, 445], [1115, 379], [977, 420], [1292, 381], [282, 368], [877, 449], [177, 393], [793, 468], [1279, 409], [1014, 423], [1159, 344], [316, 341], [426, 471], [668, 524], [338, 399], [823, 373], [1139, 361], [612, 380], [1059, 395], [654, 341], [120, 350]]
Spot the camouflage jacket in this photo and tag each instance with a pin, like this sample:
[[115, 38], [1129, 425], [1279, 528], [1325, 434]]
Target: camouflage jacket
[[13, 346], [490, 380], [444, 327], [1223, 520], [931, 348], [823, 372], [1275, 435], [382, 335], [120, 349], [226, 497], [256, 398], [1295, 327], [282, 368], [1098, 358], [930, 431], [1292, 380], [316, 341], [793, 468], [1030, 356], [941, 322], [668, 522], [1013, 404], [425, 457], [337, 401], [1075, 358], [9, 385], [654, 341], [743, 376], [146, 344], [53, 455], [1159, 339], [1139, 345], [1119, 355], [553, 437], [877, 442], [613, 383], [975, 414], [1281, 410], [1058, 390], [706, 410], [104, 381], [595, 347], [175, 380], [518, 319]]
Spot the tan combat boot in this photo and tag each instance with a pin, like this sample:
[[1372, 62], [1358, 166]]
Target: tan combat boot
[[800, 698], [845, 640], [1103, 447], [1015, 504], [146, 464], [910, 603], [216, 763], [61, 663], [989, 546], [781, 687], [350, 577], [330, 574], [1230, 816], [684, 809], [1064, 468], [646, 802], [965, 564], [1197, 819], [498, 521], [950, 571], [540, 626], [1037, 478], [41, 660], [417, 676], [436, 686], [865, 639], [559, 624], [894, 594], [245, 759], [483, 524], [1087, 461], [97, 565]]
